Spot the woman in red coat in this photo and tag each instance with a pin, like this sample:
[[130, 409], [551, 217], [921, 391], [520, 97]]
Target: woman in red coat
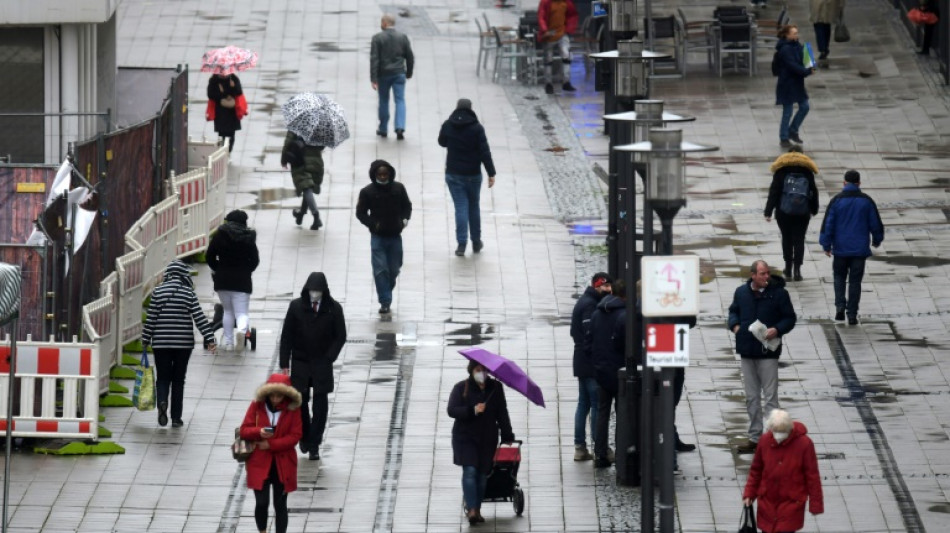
[[273, 422], [783, 475]]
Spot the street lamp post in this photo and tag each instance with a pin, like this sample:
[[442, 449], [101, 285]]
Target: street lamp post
[[666, 194]]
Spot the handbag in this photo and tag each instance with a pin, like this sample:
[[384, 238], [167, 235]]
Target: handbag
[[747, 522], [143, 396], [241, 449], [228, 102], [842, 35]]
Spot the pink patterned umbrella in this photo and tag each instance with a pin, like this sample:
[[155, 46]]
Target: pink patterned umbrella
[[228, 60]]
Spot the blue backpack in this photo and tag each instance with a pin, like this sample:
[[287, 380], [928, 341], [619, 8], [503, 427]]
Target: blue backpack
[[794, 195]]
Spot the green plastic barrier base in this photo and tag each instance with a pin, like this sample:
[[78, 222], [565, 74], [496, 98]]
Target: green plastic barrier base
[[114, 400], [121, 372], [118, 388], [83, 448], [104, 433], [132, 360]]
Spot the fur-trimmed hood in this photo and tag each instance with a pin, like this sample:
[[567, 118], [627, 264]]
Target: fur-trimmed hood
[[279, 383], [794, 159]]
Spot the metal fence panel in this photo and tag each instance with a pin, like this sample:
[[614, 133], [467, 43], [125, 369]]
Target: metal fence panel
[[217, 187], [192, 189]]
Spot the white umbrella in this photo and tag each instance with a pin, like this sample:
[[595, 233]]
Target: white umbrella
[[317, 119]]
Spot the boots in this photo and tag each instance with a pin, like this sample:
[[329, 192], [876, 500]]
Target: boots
[[788, 270], [798, 273]]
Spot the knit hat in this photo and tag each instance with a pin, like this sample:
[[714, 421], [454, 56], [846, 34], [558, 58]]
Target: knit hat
[[280, 383], [237, 216], [463, 103], [852, 176], [600, 278]]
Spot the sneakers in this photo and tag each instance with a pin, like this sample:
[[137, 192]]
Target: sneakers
[[610, 455], [747, 447], [852, 320], [839, 315], [460, 251], [163, 414], [548, 88], [681, 446], [567, 87], [785, 143], [796, 138], [384, 309], [581, 453], [400, 136], [239, 337], [298, 216], [477, 246]]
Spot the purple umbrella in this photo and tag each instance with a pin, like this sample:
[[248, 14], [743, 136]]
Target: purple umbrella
[[507, 372]]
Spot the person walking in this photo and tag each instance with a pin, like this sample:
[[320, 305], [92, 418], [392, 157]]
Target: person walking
[[783, 476], [824, 13], [793, 197], [852, 225], [313, 335], [557, 21], [385, 209], [480, 410], [600, 286], [229, 105], [306, 170], [762, 300], [929, 6], [233, 257], [272, 422], [173, 311], [467, 151], [606, 341], [790, 87], [390, 65]]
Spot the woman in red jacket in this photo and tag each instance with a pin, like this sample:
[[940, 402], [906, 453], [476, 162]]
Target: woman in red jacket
[[273, 422], [783, 475]]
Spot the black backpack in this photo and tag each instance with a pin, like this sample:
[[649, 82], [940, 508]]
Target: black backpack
[[794, 195], [776, 64]]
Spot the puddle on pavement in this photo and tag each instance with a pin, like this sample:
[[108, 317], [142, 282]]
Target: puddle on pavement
[[470, 335], [913, 260], [900, 158], [271, 198], [327, 46], [385, 348], [939, 508]]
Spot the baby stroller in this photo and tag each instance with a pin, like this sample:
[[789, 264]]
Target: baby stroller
[[217, 322], [502, 485]]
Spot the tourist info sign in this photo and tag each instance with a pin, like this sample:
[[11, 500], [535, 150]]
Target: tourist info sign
[[667, 345], [670, 285]]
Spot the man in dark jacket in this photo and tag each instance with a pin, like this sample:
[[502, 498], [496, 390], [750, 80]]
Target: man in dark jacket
[[467, 151], [385, 209], [311, 340], [600, 286], [761, 299], [790, 86], [233, 257], [605, 343], [851, 226], [390, 65]]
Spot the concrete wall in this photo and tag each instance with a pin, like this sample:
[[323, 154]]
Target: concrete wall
[[57, 11]]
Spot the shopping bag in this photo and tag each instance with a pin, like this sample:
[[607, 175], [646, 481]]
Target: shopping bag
[[842, 35], [143, 396], [747, 522], [241, 449]]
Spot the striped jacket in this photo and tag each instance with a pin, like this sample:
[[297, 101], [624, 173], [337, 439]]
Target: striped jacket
[[173, 310]]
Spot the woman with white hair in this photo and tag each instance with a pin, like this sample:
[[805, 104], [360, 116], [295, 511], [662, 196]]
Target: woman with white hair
[[784, 474]]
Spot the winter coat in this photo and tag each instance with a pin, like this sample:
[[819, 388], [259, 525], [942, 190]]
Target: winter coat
[[226, 121], [390, 53], [782, 476], [310, 342], [789, 163], [826, 11], [772, 307], [309, 175], [467, 145], [475, 437], [233, 256], [852, 224], [382, 208], [606, 340], [287, 434], [790, 87], [580, 328], [173, 311], [570, 20]]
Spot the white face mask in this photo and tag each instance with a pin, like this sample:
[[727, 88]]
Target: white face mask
[[780, 435], [479, 377], [315, 296]]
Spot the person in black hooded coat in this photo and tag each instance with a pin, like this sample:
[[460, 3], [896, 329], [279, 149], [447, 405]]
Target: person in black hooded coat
[[606, 341], [313, 335], [233, 257]]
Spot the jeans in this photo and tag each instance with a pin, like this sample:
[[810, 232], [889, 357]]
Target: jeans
[[473, 487], [848, 270], [313, 428], [396, 82], [604, 400], [760, 378], [171, 365], [586, 402], [235, 310], [793, 229], [785, 129], [262, 501], [465, 192], [387, 260], [557, 72], [822, 36]]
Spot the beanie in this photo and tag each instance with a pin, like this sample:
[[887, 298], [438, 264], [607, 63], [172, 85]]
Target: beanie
[[237, 216], [600, 278]]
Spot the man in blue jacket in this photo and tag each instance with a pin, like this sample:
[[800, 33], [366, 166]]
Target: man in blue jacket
[[606, 341], [600, 286], [851, 226], [764, 299]]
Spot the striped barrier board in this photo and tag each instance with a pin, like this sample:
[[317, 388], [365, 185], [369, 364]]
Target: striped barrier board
[[192, 188], [98, 318], [217, 187], [200, 151], [131, 269]]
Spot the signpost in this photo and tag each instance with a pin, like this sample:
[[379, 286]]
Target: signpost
[[670, 285], [667, 345]]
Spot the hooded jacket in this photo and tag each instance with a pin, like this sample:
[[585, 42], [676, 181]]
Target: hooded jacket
[[772, 307], [307, 173], [173, 311], [311, 341], [382, 208], [580, 328], [226, 120], [390, 53], [232, 255], [606, 340], [790, 87], [852, 224], [287, 433], [467, 145], [570, 19], [782, 477], [475, 437], [791, 162]]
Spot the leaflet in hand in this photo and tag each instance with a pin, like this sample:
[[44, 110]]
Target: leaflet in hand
[[758, 330], [808, 57]]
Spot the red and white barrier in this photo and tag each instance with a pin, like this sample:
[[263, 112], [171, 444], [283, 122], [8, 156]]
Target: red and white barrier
[[70, 367], [131, 269], [99, 322], [192, 189], [217, 187], [156, 233]]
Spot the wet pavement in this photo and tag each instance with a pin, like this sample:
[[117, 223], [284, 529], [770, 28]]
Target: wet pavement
[[874, 396]]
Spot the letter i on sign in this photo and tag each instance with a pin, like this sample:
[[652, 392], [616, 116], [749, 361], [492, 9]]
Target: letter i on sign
[[651, 337]]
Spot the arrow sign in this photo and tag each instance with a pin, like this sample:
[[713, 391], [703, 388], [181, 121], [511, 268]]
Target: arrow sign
[[667, 345]]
